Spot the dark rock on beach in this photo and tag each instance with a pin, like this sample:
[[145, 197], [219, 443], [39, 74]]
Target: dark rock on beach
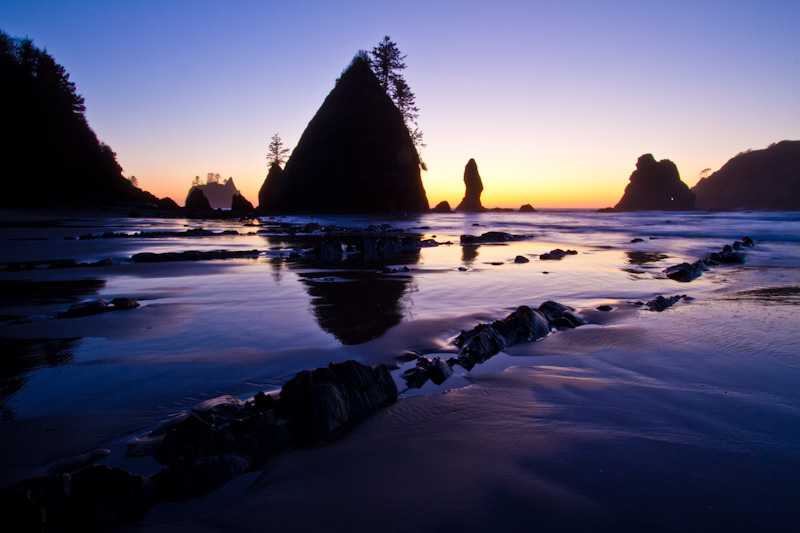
[[192, 255], [474, 187], [356, 155], [490, 237], [96, 307], [728, 255], [557, 254], [656, 186]]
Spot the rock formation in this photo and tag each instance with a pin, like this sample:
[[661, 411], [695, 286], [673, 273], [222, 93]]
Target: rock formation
[[474, 187], [197, 200], [355, 156], [527, 208], [219, 195], [758, 179], [442, 207], [240, 204], [656, 186], [267, 195]]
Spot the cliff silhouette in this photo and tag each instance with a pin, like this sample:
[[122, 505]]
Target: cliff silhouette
[[656, 186], [757, 179], [355, 156], [51, 156]]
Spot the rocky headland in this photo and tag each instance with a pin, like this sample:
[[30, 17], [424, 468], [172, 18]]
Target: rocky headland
[[656, 186]]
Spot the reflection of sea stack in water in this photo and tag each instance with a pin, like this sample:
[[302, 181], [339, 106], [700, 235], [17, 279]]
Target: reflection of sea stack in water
[[656, 186], [474, 188], [355, 156]]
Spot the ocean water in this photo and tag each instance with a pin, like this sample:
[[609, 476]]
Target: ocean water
[[687, 419]]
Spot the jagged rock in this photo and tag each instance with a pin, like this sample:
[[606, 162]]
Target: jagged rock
[[442, 207], [557, 254], [196, 199], [267, 195], [757, 179], [527, 208], [439, 371], [219, 195], [686, 272], [730, 255], [240, 204], [474, 187], [660, 303], [656, 186], [356, 155]]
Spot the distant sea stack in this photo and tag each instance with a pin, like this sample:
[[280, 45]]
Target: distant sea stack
[[757, 179], [474, 187], [219, 195], [197, 200], [355, 156], [656, 186]]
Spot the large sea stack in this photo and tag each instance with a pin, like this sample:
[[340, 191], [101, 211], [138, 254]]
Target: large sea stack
[[267, 194], [656, 186], [219, 195], [474, 188], [355, 156], [757, 179]]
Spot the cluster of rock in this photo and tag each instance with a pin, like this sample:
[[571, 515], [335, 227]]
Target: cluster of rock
[[192, 255], [96, 307], [486, 340], [218, 195], [657, 186], [491, 237], [368, 247], [557, 254], [729, 255], [660, 303], [215, 442], [193, 232]]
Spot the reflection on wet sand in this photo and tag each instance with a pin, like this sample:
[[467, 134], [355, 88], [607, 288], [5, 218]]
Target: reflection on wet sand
[[356, 306], [642, 258], [469, 253], [21, 356]]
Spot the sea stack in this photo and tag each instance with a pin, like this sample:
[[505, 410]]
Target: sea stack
[[197, 200], [755, 179], [355, 156], [219, 195], [267, 195], [474, 187], [656, 186]]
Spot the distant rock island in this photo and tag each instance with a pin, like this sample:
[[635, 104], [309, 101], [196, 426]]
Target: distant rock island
[[355, 156], [219, 195], [474, 188], [656, 186], [51, 156], [757, 179]]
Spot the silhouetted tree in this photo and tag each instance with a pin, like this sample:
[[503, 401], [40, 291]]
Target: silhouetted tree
[[386, 63], [212, 178], [134, 181], [277, 153], [196, 181], [704, 172]]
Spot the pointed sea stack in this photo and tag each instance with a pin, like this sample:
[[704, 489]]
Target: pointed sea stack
[[355, 156], [474, 187], [656, 186], [267, 195], [197, 200]]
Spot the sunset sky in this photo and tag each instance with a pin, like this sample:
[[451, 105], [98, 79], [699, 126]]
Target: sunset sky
[[555, 100]]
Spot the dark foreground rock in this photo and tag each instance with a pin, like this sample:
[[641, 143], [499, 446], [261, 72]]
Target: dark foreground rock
[[96, 307], [192, 255], [527, 208], [728, 255], [660, 303], [491, 237], [442, 207], [656, 186], [482, 342], [215, 442], [196, 199]]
